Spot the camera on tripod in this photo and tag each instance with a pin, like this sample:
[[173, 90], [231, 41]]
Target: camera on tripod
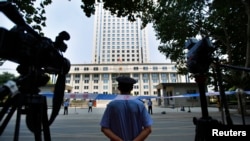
[[23, 48], [37, 57], [199, 55], [26, 47]]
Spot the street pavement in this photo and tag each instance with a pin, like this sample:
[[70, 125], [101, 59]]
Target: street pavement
[[79, 125]]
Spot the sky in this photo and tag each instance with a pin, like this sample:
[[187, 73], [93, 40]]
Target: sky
[[65, 15]]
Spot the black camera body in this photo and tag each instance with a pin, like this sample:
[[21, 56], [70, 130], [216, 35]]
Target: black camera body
[[25, 49], [199, 55], [37, 57]]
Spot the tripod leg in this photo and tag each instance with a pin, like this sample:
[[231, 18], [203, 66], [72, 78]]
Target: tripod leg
[[7, 105], [5, 108], [7, 119], [45, 121], [18, 118], [33, 118], [37, 121]]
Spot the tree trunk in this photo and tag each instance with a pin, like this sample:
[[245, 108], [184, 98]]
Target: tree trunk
[[241, 101], [247, 63]]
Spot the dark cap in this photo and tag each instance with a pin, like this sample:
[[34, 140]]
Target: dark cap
[[125, 80]]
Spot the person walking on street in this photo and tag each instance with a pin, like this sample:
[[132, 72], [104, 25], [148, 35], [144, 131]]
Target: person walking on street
[[90, 104], [150, 110], [126, 119], [66, 105]]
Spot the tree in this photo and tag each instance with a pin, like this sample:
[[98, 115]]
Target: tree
[[227, 23], [173, 21], [33, 12], [5, 76]]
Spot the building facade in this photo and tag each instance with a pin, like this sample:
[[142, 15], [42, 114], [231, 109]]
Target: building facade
[[117, 40], [167, 90], [100, 78], [120, 48]]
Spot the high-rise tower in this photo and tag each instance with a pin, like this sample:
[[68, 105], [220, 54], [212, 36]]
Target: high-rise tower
[[117, 40]]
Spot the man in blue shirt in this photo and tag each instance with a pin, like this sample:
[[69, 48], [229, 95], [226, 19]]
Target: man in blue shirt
[[66, 105], [150, 110], [126, 119]]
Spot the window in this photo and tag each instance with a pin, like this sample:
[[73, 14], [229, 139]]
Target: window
[[155, 81], [173, 68], [105, 87], [76, 69], [145, 80], [164, 68], [105, 68], [86, 75], [85, 68], [95, 68], [136, 87], [173, 77], [136, 75], [155, 92], [136, 93], [164, 78], [105, 81], [136, 68], [155, 68], [105, 76], [68, 76], [77, 75], [155, 76], [145, 75], [96, 76]]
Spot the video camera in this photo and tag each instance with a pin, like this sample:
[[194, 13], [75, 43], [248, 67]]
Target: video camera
[[36, 56], [199, 55], [24, 46]]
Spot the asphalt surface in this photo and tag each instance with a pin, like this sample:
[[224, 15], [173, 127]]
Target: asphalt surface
[[79, 125]]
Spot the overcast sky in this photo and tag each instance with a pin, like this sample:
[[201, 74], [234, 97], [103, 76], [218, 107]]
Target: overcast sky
[[64, 15]]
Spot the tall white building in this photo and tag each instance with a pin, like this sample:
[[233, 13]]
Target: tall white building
[[120, 48], [117, 40]]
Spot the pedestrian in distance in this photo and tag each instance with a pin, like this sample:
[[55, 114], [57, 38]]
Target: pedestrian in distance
[[150, 109], [90, 104], [66, 105], [126, 119]]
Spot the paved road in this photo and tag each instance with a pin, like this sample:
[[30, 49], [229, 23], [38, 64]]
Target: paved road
[[80, 125]]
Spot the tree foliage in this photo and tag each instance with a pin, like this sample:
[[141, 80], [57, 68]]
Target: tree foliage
[[33, 11], [174, 21], [5, 76], [121, 8]]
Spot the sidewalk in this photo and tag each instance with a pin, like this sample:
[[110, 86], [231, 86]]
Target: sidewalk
[[174, 125]]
